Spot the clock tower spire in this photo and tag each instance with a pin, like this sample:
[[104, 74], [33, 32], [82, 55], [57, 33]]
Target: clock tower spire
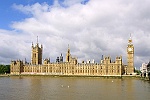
[[130, 57]]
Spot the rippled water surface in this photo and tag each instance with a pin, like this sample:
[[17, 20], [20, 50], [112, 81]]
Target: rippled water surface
[[72, 88]]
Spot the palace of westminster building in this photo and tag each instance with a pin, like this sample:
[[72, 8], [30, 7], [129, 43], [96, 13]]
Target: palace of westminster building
[[71, 67]]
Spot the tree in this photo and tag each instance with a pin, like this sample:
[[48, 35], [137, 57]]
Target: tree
[[4, 69], [138, 72]]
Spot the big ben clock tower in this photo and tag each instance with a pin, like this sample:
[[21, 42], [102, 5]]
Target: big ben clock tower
[[130, 57]]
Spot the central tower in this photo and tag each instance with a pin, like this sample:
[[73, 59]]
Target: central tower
[[68, 54], [130, 57], [36, 56]]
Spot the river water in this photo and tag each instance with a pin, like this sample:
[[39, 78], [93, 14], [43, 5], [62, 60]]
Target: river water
[[72, 88]]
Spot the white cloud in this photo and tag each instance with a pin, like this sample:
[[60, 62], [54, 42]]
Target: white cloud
[[96, 28]]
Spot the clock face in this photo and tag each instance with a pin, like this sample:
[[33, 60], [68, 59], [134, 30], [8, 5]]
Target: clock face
[[129, 49]]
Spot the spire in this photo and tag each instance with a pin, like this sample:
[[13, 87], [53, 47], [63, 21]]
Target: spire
[[130, 35], [68, 49], [68, 46], [25, 61], [61, 58], [37, 44], [130, 39], [68, 54], [32, 44], [102, 57], [37, 39]]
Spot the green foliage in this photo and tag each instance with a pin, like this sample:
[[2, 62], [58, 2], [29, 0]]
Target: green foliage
[[138, 72], [4, 69]]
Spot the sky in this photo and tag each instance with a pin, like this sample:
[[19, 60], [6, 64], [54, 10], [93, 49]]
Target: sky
[[92, 28]]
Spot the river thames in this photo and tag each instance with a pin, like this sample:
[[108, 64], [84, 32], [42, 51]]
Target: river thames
[[72, 88]]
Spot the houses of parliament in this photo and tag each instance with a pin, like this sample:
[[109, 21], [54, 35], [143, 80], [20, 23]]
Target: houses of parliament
[[71, 67]]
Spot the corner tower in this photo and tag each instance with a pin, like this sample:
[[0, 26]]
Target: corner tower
[[130, 57], [36, 56]]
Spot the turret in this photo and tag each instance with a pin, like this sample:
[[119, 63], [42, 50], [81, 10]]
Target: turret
[[61, 58], [57, 59], [46, 61], [119, 60], [107, 60]]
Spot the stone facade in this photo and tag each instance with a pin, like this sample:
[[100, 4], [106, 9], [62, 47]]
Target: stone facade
[[71, 66], [16, 67], [145, 70]]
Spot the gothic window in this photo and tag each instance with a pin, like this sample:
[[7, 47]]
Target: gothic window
[[68, 58]]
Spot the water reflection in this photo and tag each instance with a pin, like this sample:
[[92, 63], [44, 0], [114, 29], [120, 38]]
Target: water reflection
[[69, 88], [35, 91]]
